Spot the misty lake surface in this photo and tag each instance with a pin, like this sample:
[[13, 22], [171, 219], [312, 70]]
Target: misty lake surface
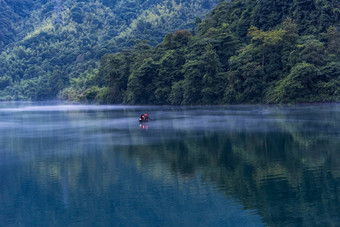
[[84, 165]]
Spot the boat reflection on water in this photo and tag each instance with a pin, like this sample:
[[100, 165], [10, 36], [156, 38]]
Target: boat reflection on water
[[144, 126]]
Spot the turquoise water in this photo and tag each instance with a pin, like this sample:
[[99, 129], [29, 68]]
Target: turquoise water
[[195, 166]]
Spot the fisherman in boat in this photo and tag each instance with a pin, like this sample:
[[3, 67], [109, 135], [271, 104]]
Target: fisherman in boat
[[144, 118]]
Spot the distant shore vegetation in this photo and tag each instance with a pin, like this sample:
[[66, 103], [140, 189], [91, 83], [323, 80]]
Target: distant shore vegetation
[[243, 51]]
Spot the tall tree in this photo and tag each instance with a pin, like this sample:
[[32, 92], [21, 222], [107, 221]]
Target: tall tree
[[140, 87], [58, 80], [213, 81]]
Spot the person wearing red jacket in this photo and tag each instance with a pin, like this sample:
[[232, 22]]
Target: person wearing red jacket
[[144, 118]]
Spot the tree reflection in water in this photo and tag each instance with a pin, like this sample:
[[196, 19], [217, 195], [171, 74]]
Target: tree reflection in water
[[66, 165], [288, 170]]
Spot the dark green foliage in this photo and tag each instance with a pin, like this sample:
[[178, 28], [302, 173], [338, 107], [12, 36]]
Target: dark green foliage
[[37, 36], [57, 81], [91, 93], [311, 50], [169, 71], [193, 82], [140, 87], [203, 79], [12, 12], [332, 37], [298, 86], [5, 81], [177, 93], [328, 87], [244, 51]]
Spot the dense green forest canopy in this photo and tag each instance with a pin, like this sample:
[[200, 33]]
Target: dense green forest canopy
[[244, 51], [12, 12], [44, 44]]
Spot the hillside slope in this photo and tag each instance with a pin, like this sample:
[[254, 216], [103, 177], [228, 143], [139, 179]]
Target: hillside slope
[[13, 12], [245, 51], [45, 43]]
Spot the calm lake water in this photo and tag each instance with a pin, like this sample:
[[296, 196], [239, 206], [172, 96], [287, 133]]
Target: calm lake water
[[81, 165]]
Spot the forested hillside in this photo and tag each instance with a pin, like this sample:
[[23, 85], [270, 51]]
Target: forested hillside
[[45, 44], [13, 12], [245, 51]]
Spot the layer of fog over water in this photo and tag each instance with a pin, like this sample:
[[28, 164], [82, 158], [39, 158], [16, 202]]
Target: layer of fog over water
[[190, 166]]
